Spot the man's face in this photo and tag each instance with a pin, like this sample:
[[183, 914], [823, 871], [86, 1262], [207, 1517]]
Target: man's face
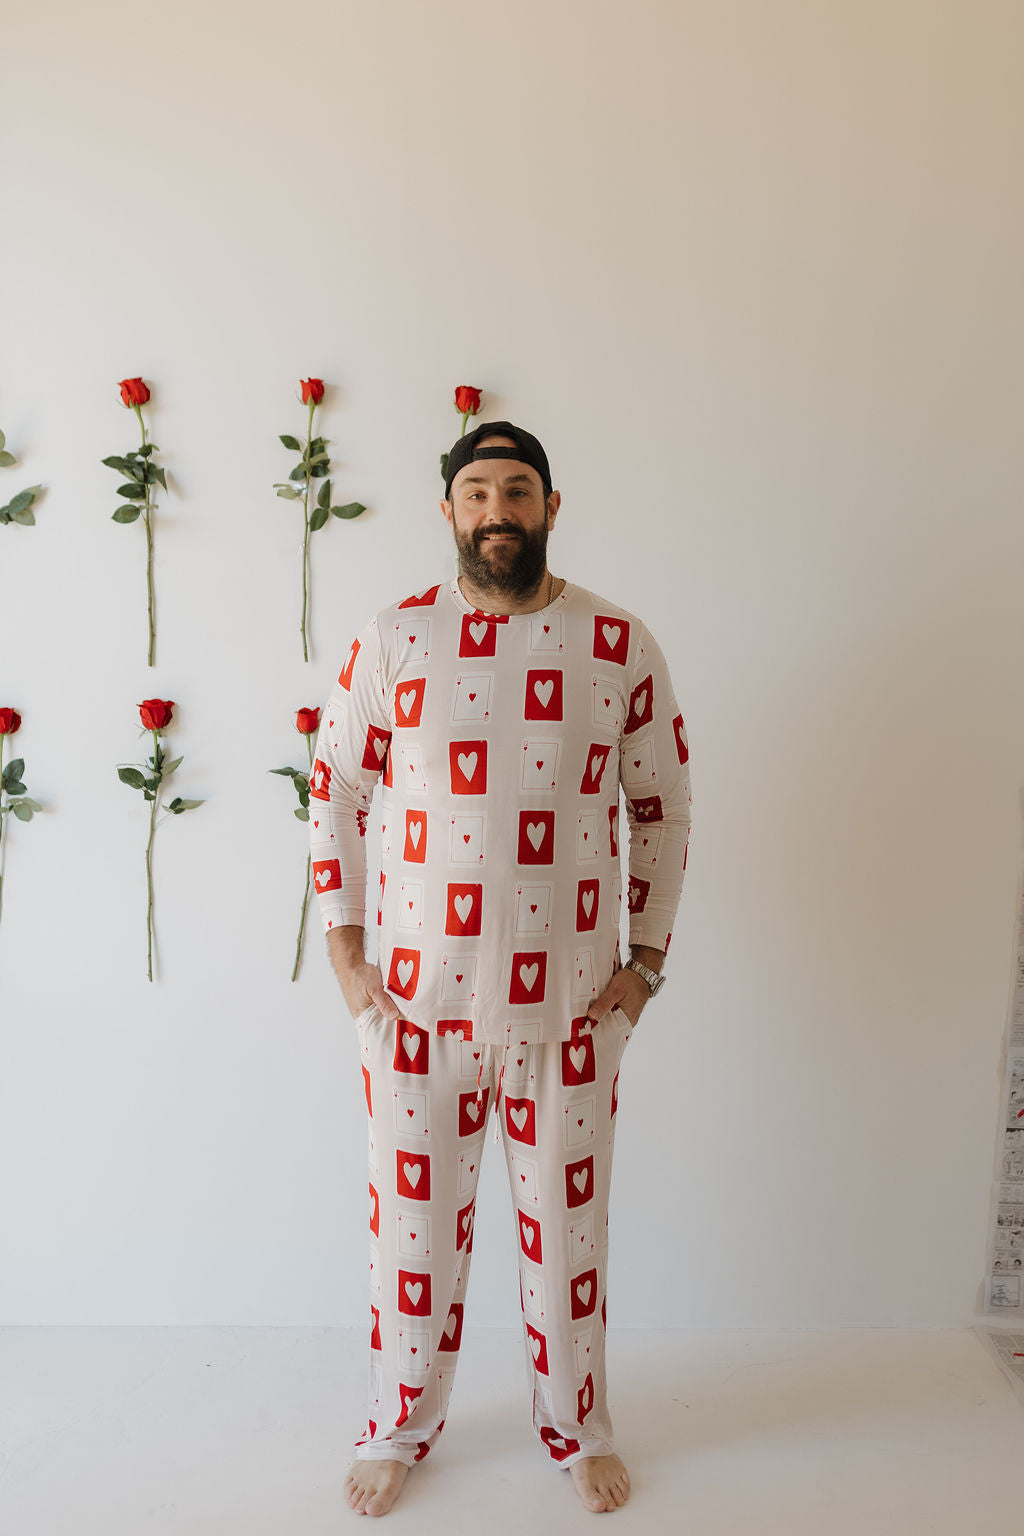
[[501, 520]]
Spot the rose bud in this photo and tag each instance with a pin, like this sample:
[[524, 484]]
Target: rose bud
[[134, 392], [312, 389], [307, 721], [9, 721], [467, 399], [156, 713]]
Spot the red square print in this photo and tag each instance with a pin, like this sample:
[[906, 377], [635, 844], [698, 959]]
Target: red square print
[[583, 1294], [467, 762], [538, 1346], [641, 706], [374, 1212], [559, 1446], [611, 639], [597, 758], [463, 1226], [521, 1120], [366, 1086], [412, 1178], [478, 636], [462, 915], [586, 904], [327, 874], [536, 837], [421, 600], [451, 1333], [638, 892], [579, 1062], [405, 972], [472, 1112], [415, 850], [376, 749], [579, 1182], [409, 701], [414, 1293], [681, 744], [530, 1238], [410, 1396], [585, 1399], [375, 1327], [412, 1048], [647, 808], [543, 694], [580, 1026], [389, 770], [529, 976], [345, 675], [320, 780], [613, 825], [462, 1029]]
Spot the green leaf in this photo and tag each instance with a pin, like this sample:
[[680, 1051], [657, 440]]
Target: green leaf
[[291, 442], [288, 772], [7, 458], [15, 787], [26, 516], [353, 509], [132, 492], [116, 462], [2, 439], [23, 499], [324, 498], [22, 811], [298, 473], [156, 473], [317, 458], [14, 769], [3, 516], [170, 767], [133, 777], [175, 802], [303, 815], [289, 492], [126, 514], [318, 517], [33, 805], [190, 805], [317, 471]]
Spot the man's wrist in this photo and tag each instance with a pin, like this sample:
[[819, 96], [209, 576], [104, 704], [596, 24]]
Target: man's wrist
[[654, 959]]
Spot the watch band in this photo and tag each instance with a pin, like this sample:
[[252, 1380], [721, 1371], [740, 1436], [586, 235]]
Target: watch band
[[653, 980]]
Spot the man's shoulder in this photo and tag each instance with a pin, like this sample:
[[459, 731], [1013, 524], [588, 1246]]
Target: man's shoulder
[[596, 604]]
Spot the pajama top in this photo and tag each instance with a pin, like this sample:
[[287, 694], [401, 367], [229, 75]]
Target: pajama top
[[501, 741]]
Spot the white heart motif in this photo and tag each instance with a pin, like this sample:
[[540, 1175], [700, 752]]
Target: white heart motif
[[450, 1326], [518, 1116], [404, 971], [588, 900], [578, 1055], [380, 745], [583, 1292], [467, 765], [464, 905], [596, 764], [534, 1346], [580, 1180], [414, 1292], [373, 1206], [415, 828], [527, 1233], [611, 633], [408, 1401], [528, 975], [322, 877], [535, 832], [472, 1108], [478, 628], [412, 1045], [407, 700], [638, 707], [412, 1172], [318, 777], [543, 691]]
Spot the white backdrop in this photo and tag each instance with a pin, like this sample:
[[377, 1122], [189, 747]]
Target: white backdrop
[[751, 271]]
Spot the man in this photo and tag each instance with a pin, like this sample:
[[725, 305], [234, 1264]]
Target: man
[[503, 709]]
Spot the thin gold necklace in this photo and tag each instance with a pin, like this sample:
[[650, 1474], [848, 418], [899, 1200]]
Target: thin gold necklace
[[551, 587]]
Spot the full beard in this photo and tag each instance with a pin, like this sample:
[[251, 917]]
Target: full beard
[[506, 570]]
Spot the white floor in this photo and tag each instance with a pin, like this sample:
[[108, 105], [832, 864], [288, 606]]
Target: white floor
[[209, 1431]]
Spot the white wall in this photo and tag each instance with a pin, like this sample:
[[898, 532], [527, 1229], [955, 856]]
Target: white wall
[[752, 273]]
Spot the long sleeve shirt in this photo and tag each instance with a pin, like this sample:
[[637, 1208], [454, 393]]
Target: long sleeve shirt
[[501, 741]]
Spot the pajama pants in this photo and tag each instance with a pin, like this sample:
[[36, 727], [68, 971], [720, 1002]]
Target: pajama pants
[[428, 1097]]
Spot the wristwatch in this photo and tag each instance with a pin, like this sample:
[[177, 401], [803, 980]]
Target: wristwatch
[[653, 980]]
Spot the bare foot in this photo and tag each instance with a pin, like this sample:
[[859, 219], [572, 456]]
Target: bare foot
[[373, 1486], [602, 1482]]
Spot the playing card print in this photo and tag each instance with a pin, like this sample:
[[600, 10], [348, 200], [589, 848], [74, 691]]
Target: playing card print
[[413, 1178], [451, 1333], [413, 637], [327, 874], [463, 909], [345, 675], [536, 837], [463, 1226], [638, 893], [585, 1399], [477, 636], [543, 697], [579, 1182], [598, 754], [527, 976], [375, 750], [587, 902], [374, 1212], [472, 699], [413, 1293], [403, 972], [375, 1328], [473, 1112], [409, 695], [579, 1062], [682, 746], [412, 1048], [611, 639], [413, 1349], [466, 843], [559, 1446], [533, 908], [579, 1121], [468, 767], [410, 910], [583, 1294], [537, 1344], [409, 1396], [530, 1237], [607, 704], [540, 764], [320, 780], [521, 1120], [641, 706], [413, 1235]]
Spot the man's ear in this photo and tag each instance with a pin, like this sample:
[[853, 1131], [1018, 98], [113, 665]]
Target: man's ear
[[446, 508]]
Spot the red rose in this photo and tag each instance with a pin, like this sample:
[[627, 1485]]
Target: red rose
[[9, 721], [307, 721], [156, 713], [312, 389], [467, 400], [134, 392]]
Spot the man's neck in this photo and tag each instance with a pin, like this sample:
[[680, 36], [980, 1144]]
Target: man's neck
[[547, 589]]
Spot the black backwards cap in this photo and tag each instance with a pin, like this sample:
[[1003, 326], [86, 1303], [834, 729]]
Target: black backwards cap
[[527, 451]]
